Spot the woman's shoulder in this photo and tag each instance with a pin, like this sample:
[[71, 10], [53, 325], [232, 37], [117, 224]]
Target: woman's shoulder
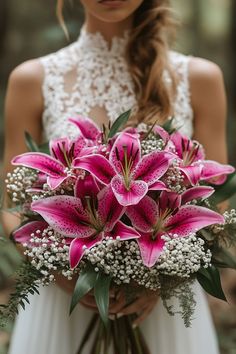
[[198, 68], [204, 78], [31, 73], [28, 73]]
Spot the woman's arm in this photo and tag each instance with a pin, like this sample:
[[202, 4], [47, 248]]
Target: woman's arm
[[209, 106], [23, 111]]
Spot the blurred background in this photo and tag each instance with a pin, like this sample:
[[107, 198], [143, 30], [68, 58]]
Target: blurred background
[[29, 29]]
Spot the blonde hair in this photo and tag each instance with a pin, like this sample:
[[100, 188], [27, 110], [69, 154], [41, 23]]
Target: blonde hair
[[147, 58]]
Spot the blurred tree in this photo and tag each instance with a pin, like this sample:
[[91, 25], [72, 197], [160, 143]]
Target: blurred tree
[[3, 23]]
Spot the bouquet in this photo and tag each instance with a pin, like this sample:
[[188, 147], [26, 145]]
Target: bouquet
[[134, 209]]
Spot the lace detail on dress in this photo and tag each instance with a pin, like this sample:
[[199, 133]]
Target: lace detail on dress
[[183, 118], [88, 74]]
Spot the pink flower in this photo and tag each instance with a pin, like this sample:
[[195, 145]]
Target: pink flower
[[168, 216], [86, 221], [87, 128], [193, 164], [24, 233], [129, 174], [57, 167]]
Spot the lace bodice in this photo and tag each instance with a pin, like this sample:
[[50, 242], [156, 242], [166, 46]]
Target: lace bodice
[[88, 75]]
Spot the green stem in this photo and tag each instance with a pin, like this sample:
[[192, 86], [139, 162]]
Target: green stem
[[91, 327]]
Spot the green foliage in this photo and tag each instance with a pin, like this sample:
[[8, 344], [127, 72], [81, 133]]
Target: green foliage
[[9, 259], [33, 146], [26, 277], [225, 191], [209, 278], [84, 284], [89, 280], [119, 123], [30, 143], [101, 293]]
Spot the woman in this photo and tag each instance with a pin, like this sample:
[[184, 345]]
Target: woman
[[120, 60]]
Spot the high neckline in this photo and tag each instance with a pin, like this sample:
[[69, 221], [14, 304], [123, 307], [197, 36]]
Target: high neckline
[[96, 42]]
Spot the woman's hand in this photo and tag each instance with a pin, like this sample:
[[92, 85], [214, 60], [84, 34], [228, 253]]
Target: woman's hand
[[141, 306]]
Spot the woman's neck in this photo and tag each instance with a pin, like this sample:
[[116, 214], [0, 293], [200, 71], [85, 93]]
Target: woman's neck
[[107, 29]]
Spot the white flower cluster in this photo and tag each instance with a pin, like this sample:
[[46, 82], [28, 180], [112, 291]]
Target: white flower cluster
[[122, 260], [152, 143], [174, 179], [17, 183], [230, 216], [183, 256], [48, 252]]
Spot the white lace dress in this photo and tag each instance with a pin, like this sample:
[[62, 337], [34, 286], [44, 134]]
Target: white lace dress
[[92, 79]]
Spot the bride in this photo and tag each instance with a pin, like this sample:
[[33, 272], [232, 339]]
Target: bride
[[120, 60]]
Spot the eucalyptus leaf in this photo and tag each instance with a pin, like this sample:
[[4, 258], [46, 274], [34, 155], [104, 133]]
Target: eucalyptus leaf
[[84, 284], [209, 278], [225, 191], [101, 292], [119, 123], [30, 143]]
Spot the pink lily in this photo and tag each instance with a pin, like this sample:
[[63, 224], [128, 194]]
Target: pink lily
[[193, 164], [57, 167], [129, 174], [24, 233], [85, 221], [88, 128], [167, 216]]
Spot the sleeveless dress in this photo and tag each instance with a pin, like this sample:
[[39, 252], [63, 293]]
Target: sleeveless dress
[[89, 75]]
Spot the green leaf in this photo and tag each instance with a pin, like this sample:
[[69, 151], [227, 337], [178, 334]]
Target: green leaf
[[168, 125], [225, 191], [84, 284], [30, 143], [119, 123], [44, 148], [209, 278], [101, 292]]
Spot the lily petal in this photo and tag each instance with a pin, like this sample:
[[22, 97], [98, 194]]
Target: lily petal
[[78, 247], [57, 147], [144, 214], [191, 218], [183, 143], [169, 201], [54, 182], [193, 173], [212, 169], [152, 167], [162, 133], [23, 234], [65, 214], [86, 187], [109, 210], [129, 145], [97, 165], [150, 249], [200, 192], [158, 186], [124, 232], [137, 190], [87, 127], [41, 162]]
